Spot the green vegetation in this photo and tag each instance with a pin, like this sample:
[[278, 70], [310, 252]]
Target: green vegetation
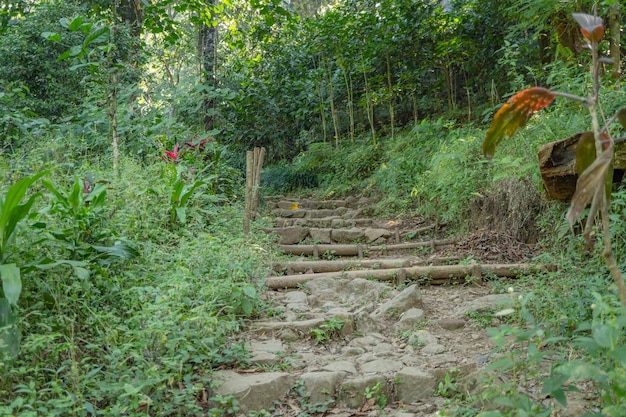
[[126, 278]]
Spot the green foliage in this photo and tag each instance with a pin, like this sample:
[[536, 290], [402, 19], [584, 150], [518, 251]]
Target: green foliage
[[376, 393], [12, 213], [29, 62]]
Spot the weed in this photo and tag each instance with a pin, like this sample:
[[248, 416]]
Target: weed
[[376, 395]]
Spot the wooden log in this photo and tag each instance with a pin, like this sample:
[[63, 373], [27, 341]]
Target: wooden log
[[249, 184], [557, 164], [353, 250], [429, 274], [341, 265]]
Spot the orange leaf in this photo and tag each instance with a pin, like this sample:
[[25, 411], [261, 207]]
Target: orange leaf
[[591, 27], [514, 114]]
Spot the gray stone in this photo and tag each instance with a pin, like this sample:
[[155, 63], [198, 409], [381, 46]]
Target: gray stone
[[421, 338], [321, 213], [352, 391], [295, 214], [366, 341], [291, 235], [321, 235], [372, 235], [411, 297], [487, 302], [254, 391], [295, 297], [341, 366], [347, 235], [414, 384], [383, 349], [351, 351], [320, 386], [433, 349], [409, 320], [267, 352], [381, 366]]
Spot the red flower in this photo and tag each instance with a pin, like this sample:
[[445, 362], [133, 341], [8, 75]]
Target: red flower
[[173, 155]]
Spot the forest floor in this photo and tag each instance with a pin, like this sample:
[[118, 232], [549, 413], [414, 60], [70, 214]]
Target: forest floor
[[373, 316]]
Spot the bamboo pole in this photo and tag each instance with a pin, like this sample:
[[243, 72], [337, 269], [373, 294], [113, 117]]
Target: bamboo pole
[[259, 155], [249, 183], [341, 265], [430, 274]]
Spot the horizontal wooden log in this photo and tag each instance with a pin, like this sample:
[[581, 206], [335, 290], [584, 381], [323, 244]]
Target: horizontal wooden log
[[431, 274], [340, 265], [357, 250]]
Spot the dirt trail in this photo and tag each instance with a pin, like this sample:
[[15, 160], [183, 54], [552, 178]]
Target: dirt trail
[[342, 343]]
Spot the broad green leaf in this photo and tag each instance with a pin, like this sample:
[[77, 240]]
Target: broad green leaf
[[81, 273], [75, 24], [579, 369], [181, 214], [64, 55], [76, 50], [249, 291], [605, 335], [9, 333], [121, 250], [98, 35], [11, 213], [593, 177], [51, 36], [11, 282], [514, 114]]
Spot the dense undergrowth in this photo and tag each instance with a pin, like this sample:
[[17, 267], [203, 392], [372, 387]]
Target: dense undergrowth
[[143, 307], [567, 331], [134, 294]]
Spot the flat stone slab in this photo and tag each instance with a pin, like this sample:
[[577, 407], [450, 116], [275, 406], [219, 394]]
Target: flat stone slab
[[256, 391], [414, 384]]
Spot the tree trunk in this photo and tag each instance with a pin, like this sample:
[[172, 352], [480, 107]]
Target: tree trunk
[[614, 38], [207, 50], [132, 13]]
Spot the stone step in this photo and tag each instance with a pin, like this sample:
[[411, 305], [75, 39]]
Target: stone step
[[291, 235], [299, 213], [332, 221]]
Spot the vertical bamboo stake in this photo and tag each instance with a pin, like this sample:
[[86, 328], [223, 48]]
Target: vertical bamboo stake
[[259, 154], [249, 179]]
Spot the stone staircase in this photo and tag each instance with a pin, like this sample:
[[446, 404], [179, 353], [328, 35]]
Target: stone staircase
[[351, 345]]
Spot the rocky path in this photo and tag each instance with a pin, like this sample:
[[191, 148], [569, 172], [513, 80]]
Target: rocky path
[[360, 326]]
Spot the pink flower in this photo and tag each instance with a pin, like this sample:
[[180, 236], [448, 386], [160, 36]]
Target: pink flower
[[173, 155]]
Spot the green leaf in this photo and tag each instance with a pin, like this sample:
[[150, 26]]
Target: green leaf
[[121, 250], [51, 36], [76, 50], [181, 214], [96, 36], [580, 369], [9, 333], [249, 291], [11, 282], [81, 273], [75, 24], [11, 213], [605, 335]]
